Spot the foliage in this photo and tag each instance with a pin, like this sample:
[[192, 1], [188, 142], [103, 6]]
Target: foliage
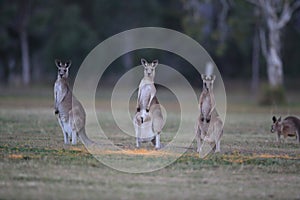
[[272, 95], [70, 29]]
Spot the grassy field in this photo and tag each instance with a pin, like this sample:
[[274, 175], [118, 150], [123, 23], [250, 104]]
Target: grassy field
[[35, 164]]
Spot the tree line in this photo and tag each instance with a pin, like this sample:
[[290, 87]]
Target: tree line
[[247, 39]]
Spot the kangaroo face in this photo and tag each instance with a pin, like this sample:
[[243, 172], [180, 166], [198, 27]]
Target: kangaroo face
[[149, 68], [208, 81], [276, 126], [63, 68]]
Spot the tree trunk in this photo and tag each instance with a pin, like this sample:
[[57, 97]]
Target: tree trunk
[[255, 63], [275, 71], [274, 63], [276, 15], [11, 70], [25, 57], [22, 26], [222, 24]]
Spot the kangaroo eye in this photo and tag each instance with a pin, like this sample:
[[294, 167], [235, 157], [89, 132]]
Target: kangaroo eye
[[65, 70]]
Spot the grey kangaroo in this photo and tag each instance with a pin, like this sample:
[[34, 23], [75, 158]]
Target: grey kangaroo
[[209, 126], [68, 110], [148, 120], [290, 126]]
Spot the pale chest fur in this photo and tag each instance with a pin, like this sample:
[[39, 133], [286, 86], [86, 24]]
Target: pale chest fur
[[145, 95], [63, 99], [145, 81], [205, 104]]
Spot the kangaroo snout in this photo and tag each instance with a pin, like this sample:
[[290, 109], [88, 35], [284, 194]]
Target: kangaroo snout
[[272, 130]]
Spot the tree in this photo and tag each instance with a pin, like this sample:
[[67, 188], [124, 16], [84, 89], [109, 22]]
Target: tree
[[276, 14], [22, 24], [255, 54]]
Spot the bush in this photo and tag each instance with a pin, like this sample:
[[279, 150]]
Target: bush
[[272, 95]]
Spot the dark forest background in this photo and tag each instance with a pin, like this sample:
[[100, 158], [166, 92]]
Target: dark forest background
[[34, 32]]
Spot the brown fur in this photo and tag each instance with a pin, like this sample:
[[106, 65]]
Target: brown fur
[[207, 100], [148, 120], [69, 111], [289, 127], [209, 127], [147, 90]]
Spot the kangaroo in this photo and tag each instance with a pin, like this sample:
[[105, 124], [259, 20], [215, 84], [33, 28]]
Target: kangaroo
[[148, 120], [290, 126], [147, 84], [209, 126], [207, 101], [68, 110]]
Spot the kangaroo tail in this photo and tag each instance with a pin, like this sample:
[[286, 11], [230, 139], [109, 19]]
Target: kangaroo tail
[[84, 138]]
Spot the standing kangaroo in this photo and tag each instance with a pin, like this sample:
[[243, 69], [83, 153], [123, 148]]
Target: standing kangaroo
[[290, 126], [148, 120], [207, 101], [69, 111], [147, 85], [209, 125]]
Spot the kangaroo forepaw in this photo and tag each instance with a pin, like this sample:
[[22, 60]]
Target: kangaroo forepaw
[[208, 119]]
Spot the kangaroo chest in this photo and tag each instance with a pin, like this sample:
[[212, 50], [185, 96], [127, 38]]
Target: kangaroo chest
[[64, 99], [146, 91], [206, 104]]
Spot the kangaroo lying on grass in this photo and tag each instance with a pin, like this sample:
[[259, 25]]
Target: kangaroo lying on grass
[[148, 120], [209, 127], [290, 126], [69, 111]]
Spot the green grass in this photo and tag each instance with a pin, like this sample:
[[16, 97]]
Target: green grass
[[35, 164]]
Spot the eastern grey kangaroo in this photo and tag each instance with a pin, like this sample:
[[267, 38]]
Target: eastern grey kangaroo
[[69, 111], [209, 126], [148, 120], [290, 126]]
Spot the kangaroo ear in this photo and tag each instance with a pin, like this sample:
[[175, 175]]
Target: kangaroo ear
[[213, 77], [279, 119], [274, 119], [154, 63], [57, 63], [68, 63], [144, 62]]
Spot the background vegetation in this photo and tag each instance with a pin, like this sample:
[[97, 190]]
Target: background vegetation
[[44, 30]]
